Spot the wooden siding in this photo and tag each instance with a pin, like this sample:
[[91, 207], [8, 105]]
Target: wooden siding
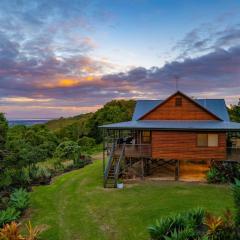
[[188, 111], [183, 146]]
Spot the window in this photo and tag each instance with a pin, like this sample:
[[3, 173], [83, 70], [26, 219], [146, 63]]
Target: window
[[178, 102], [207, 140], [202, 140], [146, 137], [212, 140]]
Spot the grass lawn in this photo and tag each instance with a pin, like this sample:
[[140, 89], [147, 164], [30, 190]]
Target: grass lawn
[[76, 206]]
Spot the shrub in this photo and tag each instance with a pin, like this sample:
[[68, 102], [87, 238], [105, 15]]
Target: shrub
[[20, 177], [215, 176], [236, 197], [79, 163], [40, 174], [214, 224], [177, 226], [86, 144], [194, 218], [58, 166], [5, 179], [11, 232], [8, 215], [19, 199], [33, 232], [223, 172], [186, 234], [67, 150]]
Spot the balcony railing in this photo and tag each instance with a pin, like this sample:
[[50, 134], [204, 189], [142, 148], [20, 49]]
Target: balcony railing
[[134, 150]]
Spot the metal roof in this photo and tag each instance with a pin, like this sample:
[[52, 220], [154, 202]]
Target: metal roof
[[216, 106], [176, 125]]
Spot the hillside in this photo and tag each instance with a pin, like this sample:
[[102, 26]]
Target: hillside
[[87, 124], [62, 122]]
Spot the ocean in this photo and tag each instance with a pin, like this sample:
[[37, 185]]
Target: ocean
[[27, 122]]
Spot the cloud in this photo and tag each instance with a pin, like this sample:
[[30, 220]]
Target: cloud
[[207, 38], [47, 67]]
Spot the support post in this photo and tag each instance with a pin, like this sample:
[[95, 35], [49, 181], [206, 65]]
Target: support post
[[142, 167], [177, 170], [103, 155]]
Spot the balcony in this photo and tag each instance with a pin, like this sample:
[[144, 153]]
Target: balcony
[[134, 150]]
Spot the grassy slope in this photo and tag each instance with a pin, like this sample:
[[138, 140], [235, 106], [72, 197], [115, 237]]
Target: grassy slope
[[76, 206]]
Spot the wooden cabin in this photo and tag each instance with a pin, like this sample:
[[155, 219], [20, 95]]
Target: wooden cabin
[[169, 133]]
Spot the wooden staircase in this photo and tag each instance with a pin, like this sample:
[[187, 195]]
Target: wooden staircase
[[112, 169]]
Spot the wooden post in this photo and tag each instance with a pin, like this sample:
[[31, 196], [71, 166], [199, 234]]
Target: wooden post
[[142, 166], [103, 150], [177, 170], [103, 157]]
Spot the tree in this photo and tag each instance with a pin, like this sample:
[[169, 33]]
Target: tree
[[3, 138], [86, 144], [112, 112], [68, 150], [3, 131], [234, 113]]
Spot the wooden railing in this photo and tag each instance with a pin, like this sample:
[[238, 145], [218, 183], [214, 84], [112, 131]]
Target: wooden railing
[[135, 150], [110, 162], [117, 167]]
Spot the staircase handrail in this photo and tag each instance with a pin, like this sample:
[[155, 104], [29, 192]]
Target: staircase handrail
[[117, 169], [109, 164]]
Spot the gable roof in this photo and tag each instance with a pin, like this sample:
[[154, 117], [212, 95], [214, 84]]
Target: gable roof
[[216, 107]]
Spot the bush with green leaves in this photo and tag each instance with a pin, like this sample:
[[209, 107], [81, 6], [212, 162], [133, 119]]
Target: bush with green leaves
[[185, 234], [39, 174], [223, 172], [19, 199], [236, 197], [214, 175], [67, 150], [86, 144], [178, 226], [9, 215]]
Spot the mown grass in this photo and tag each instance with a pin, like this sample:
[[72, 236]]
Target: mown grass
[[76, 206]]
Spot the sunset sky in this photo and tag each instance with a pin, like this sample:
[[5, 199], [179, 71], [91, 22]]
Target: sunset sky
[[66, 57]]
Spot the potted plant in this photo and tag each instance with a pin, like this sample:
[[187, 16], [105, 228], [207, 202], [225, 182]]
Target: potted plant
[[120, 184]]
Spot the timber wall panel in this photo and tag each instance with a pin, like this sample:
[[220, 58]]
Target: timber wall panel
[[188, 111], [183, 146]]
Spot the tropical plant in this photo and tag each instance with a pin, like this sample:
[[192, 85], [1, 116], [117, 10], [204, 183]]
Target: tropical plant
[[185, 234], [8, 215], [194, 218], [11, 231], [19, 199], [33, 232], [214, 224], [177, 226]]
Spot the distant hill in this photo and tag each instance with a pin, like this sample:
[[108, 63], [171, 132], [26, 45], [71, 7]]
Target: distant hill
[[87, 124], [57, 124]]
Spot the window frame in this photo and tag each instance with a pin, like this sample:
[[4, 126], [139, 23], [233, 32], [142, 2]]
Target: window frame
[[208, 140], [149, 137], [178, 101]]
